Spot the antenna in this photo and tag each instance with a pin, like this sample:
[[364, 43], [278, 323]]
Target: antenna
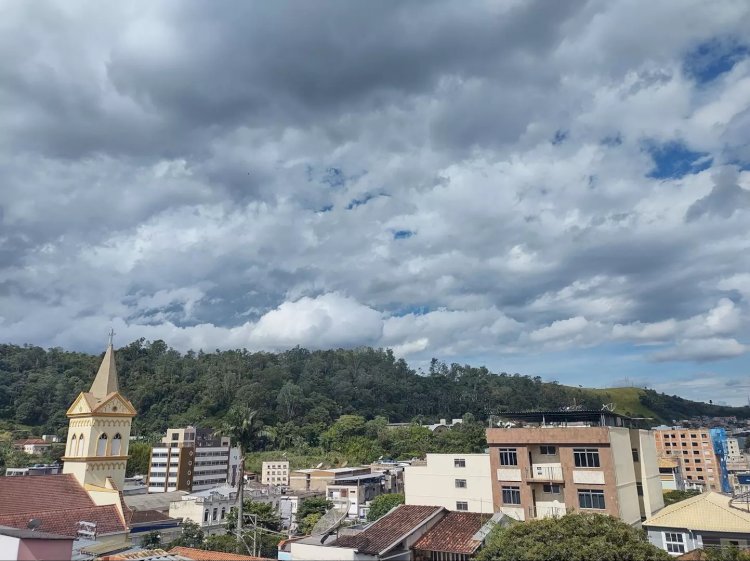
[[331, 520], [111, 335], [608, 407], [33, 524]]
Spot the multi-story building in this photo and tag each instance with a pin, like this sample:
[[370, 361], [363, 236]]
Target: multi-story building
[[192, 459], [670, 474], [695, 451], [275, 473], [549, 463], [357, 491], [454, 481]]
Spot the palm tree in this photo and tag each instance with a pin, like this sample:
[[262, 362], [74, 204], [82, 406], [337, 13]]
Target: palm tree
[[239, 425]]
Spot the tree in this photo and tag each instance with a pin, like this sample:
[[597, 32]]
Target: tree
[[382, 504], [152, 540], [309, 512], [239, 425], [672, 497], [192, 536], [139, 460], [730, 553], [573, 537]]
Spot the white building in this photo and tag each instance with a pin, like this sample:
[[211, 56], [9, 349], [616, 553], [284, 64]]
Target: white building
[[192, 459], [208, 509], [454, 481], [357, 491], [275, 473]]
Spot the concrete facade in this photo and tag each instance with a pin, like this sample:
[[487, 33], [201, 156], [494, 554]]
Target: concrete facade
[[275, 473], [694, 449], [208, 509], [453, 481], [548, 470]]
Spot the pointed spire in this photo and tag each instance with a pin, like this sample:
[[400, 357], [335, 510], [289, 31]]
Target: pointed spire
[[106, 378]]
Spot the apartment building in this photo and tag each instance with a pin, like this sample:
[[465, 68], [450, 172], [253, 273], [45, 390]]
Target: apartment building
[[192, 459], [670, 474], [458, 482], [694, 450], [551, 462], [357, 491], [275, 473], [317, 479]]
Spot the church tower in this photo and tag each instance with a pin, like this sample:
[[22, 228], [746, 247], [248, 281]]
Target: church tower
[[99, 431]]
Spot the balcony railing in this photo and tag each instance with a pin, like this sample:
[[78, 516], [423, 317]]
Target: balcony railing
[[544, 473], [547, 511]]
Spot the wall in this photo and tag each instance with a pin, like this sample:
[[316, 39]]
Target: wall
[[625, 474], [653, 495], [59, 550], [434, 484], [9, 547], [312, 552]]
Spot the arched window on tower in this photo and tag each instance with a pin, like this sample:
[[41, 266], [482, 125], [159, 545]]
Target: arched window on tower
[[101, 447], [81, 446], [116, 445], [73, 448]]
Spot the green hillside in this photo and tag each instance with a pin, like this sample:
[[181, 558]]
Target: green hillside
[[627, 401]]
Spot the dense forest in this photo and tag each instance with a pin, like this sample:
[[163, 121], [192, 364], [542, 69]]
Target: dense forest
[[298, 394]]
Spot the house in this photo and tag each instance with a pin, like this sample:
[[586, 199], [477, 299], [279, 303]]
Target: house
[[455, 481], [547, 463], [356, 491], [30, 545], [406, 533], [36, 469], [32, 446], [706, 520], [208, 509], [275, 473], [192, 459]]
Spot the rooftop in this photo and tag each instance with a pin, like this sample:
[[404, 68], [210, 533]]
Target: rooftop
[[30, 534], [206, 555], [387, 532], [596, 417], [64, 521], [708, 512], [19, 495], [454, 533]]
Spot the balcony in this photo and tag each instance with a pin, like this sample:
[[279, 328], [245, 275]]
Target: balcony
[[547, 511], [549, 473]]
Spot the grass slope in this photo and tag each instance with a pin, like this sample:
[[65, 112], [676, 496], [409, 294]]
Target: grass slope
[[626, 400]]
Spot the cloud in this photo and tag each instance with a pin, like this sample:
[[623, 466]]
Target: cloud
[[499, 183]]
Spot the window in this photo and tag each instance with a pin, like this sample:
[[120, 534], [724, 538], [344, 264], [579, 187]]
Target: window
[[101, 447], [508, 457], [704, 435], [693, 436], [694, 443], [216, 514], [459, 463], [223, 513], [460, 484], [116, 445], [73, 446], [175, 436], [635, 454], [462, 505], [551, 488], [511, 495], [674, 542], [684, 443], [639, 489], [547, 450], [591, 498], [205, 516], [586, 457]]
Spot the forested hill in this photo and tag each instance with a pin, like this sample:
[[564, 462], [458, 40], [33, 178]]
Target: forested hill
[[305, 391]]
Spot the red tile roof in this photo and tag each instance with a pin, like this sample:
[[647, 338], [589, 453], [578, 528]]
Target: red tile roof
[[206, 555], [389, 529], [30, 441], [453, 534], [20, 495], [64, 520]]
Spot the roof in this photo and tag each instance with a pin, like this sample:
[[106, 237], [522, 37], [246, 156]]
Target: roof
[[64, 520], [708, 512], [106, 382], [19, 495], [454, 533], [31, 441], [378, 475], [206, 555], [389, 530], [143, 555], [592, 415], [27, 534], [224, 490], [668, 462], [153, 501], [142, 516]]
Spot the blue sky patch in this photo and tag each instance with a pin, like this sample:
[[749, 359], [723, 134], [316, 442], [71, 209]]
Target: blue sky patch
[[711, 59], [334, 178], [402, 234], [673, 160], [560, 136], [326, 208]]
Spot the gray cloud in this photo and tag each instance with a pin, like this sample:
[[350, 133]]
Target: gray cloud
[[189, 172]]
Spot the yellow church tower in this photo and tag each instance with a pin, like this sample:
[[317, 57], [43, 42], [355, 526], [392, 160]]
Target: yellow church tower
[[96, 452]]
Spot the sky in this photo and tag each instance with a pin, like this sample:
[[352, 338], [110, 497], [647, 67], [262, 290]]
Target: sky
[[558, 189]]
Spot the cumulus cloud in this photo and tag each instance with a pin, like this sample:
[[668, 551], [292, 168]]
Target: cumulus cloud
[[475, 183]]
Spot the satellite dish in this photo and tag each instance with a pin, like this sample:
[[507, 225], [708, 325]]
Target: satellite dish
[[33, 524], [331, 520], [320, 465]]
